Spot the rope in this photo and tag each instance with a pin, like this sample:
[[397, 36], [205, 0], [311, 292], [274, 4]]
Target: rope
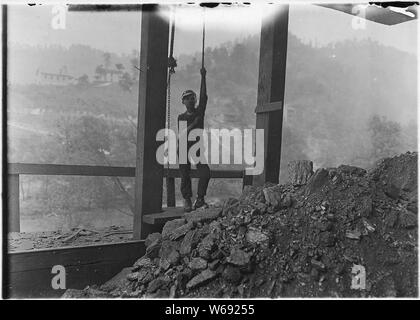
[[204, 37], [171, 65]]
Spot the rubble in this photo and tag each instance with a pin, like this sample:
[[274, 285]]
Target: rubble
[[203, 277], [408, 219], [203, 215], [171, 226], [300, 171], [198, 264], [291, 240]]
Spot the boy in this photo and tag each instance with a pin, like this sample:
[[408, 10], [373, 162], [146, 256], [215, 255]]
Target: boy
[[195, 120]]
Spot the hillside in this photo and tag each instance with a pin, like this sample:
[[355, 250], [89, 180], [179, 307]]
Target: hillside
[[333, 90]]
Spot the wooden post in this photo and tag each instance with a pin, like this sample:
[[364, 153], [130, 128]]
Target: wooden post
[[271, 84], [13, 202], [151, 116], [11, 219], [246, 180], [170, 192]]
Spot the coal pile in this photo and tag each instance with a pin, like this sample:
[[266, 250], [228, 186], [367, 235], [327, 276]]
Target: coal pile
[[336, 232]]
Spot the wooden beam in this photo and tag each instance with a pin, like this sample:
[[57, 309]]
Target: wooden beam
[[5, 191], [272, 106], [151, 115], [170, 192], [215, 174], [13, 202], [246, 180], [29, 272], [271, 84], [106, 171], [73, 170], [166, 215]]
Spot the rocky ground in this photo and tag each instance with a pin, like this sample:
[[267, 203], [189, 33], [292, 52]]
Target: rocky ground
[[313, 237]]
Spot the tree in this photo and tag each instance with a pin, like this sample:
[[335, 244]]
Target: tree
[[119, 66], [107, 59], [100, 72], [83, 81], [126, 82], [87, 140]]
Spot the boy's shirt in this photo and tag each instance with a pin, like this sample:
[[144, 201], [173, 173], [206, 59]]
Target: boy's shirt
[[198, 113]]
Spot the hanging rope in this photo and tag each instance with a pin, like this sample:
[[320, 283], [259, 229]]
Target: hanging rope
[[171, 66], [171, 60], [204, 37]]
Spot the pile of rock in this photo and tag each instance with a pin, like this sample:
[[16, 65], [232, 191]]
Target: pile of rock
[[302, 239]]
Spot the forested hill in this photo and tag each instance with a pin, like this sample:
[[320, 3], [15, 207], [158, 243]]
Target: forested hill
[[353, 76], [334, 91]]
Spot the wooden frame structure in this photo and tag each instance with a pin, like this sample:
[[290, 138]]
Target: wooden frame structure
[[149, 173], [93, 262]]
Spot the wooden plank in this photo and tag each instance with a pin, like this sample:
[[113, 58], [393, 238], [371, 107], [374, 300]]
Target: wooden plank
[[170, 192], [74, 170], [373, 13], [271, 84], [215, 174], [105, 171], [166, 215], [269, 107], [13, 202], [151, 115], [29, 272]]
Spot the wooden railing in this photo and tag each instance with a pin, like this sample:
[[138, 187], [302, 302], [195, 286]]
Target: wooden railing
[[17, 169]]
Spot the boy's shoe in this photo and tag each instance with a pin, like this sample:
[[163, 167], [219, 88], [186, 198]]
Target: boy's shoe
[[187, 205], [199, 202]]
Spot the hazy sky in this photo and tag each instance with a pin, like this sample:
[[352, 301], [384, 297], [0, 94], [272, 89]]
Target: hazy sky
[[119, 32]]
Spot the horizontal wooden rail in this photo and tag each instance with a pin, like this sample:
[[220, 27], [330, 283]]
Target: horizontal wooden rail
[[107, 171], [73, 170], [16, 169], [219, 173]]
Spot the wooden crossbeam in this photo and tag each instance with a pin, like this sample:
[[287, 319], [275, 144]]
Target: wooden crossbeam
[[269, 107], [105, 171], [375, 12], [73, 170]]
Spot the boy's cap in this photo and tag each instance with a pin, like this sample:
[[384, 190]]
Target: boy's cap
[[187, 93]]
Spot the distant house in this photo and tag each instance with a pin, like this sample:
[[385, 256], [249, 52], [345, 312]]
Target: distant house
[[108, 75], [113, 75], [62, 78]]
